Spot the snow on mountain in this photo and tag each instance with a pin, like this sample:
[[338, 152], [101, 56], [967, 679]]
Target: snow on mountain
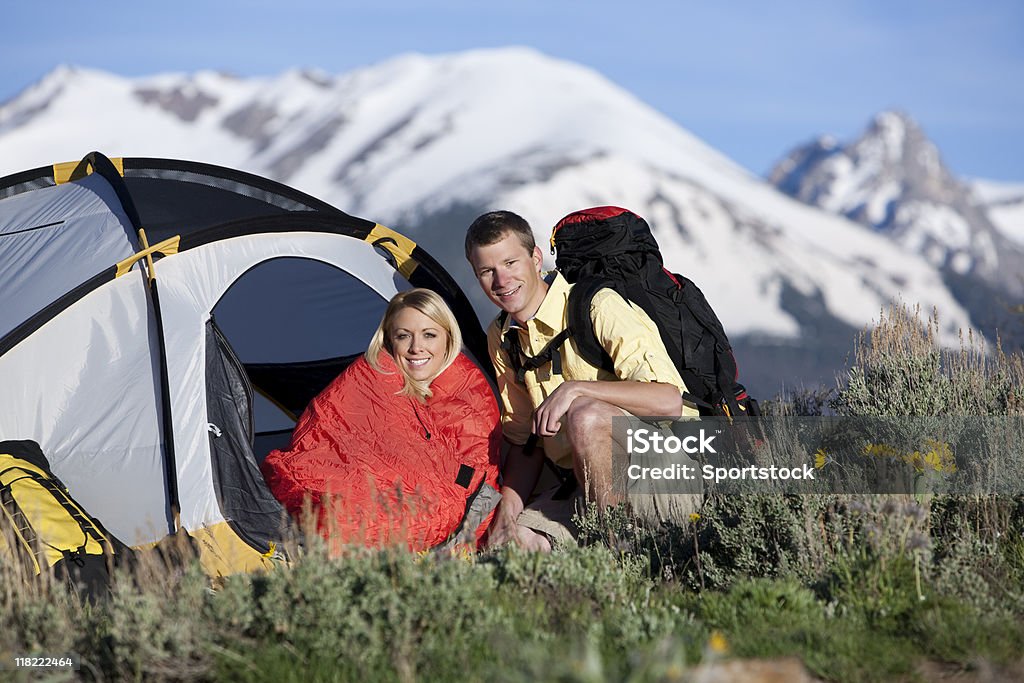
[[892, 179], [73, 111], [426, 143], [1004, 204]]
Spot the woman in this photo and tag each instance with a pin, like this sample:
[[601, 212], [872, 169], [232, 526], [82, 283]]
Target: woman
[[400, 446]]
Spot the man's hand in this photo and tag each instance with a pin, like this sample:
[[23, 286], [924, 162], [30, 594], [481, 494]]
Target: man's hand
[[503, 527], [547, 418], [531, 541], [520, 473]]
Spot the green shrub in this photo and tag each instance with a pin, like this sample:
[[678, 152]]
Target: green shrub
[[900, 369], [390, 615]]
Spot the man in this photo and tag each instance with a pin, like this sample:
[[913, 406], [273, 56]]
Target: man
[[571, 411]]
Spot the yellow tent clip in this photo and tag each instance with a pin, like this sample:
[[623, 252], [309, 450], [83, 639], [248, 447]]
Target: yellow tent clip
[[399, 246], [273, 549], [167, 247], [74, 170]]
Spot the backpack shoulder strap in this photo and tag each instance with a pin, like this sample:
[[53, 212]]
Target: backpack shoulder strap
[[521, 363], [581, 297], [510, 345]]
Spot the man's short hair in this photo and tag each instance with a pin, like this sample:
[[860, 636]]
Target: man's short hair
[[493, 226]]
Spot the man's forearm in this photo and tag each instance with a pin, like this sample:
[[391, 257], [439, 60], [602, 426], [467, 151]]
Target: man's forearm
[[636, 398]]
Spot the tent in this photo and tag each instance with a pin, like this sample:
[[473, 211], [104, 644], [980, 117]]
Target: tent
[[162, 323]]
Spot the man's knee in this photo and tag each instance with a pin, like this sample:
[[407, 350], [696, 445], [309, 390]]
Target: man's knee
[[588, 416]]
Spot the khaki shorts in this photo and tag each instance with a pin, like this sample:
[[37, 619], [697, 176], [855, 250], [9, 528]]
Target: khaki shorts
[[554, 518]]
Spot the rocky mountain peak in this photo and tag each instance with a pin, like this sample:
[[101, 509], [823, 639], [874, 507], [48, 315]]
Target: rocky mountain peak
[[904, 154], [892, 160], [892, 179], [895, 131]]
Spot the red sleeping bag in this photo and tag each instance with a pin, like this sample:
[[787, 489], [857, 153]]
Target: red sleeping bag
[[380, 469]]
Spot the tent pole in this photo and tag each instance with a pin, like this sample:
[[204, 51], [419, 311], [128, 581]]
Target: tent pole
[[170, 462]]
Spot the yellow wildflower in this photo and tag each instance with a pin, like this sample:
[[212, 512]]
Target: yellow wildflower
[[940, 456], [937, 457], [880, 450], [821, 458]]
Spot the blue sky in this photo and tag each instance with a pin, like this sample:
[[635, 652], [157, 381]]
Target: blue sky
[[752, 79]]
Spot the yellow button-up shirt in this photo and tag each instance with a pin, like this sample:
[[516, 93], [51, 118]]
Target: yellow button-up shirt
[[625, 331]]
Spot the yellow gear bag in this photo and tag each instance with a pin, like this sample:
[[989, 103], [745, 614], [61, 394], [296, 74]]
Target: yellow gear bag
[[43, 528]]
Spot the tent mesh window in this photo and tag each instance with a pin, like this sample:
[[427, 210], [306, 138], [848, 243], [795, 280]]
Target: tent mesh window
[[246, 502]]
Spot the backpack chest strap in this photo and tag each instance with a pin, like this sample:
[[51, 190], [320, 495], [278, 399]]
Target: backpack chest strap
[[521, 363]]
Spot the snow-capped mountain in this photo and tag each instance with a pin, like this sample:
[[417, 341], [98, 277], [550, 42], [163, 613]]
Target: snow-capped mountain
[[892, 179], [424, 144]]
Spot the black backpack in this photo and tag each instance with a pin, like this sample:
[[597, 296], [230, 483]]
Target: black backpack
[[610, 247]]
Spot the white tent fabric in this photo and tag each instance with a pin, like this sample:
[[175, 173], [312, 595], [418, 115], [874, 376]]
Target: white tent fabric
[[53, 239], [103, 441]]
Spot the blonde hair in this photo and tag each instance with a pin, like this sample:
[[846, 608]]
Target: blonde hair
[[431, 305]]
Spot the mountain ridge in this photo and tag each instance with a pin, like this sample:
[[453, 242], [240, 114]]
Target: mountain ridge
[[424, 144]]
